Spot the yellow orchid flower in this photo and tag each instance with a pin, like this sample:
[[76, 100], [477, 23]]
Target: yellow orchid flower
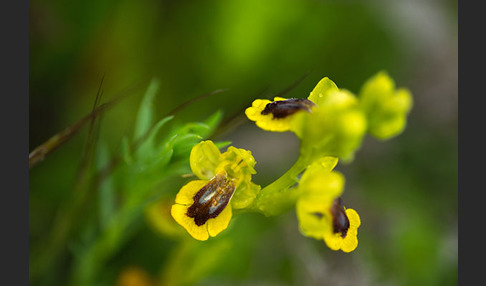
[[277, 115], [204, 207], [320, 211], [329, 121], [386, 107]]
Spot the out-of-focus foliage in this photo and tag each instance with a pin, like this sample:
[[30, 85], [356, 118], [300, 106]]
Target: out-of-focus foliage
[[404, 189]]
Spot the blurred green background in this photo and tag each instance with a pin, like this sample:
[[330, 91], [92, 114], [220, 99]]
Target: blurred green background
[[405, 189]]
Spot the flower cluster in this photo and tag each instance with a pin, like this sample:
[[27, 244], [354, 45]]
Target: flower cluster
[[331, 124]]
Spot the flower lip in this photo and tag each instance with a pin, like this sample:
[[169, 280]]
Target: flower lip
[[340, 221], [284, 108], [211, 199]]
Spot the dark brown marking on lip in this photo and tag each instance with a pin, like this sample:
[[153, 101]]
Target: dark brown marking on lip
[[284, 108], [211, 199], [318, 215], [340, 221]]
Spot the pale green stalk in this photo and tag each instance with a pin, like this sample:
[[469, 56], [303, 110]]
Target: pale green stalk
[[281, 195]]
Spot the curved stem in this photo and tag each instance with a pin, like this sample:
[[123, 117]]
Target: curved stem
[[279, 195]]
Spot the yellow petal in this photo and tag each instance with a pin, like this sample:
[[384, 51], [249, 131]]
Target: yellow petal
[[275, 125], [178, 212], [220, 223], [349, 243], [333, 240], [353, 217], [267, 122], [254, 112], [188, 191], [313, 217], [204, 159], [321, 183]]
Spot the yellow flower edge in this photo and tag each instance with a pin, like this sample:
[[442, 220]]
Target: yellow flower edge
[[184, 200], [349, 243], [267, 122], [187, 192]]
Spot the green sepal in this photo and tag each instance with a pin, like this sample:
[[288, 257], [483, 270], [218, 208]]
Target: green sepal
[[335, 128], [321, 91]]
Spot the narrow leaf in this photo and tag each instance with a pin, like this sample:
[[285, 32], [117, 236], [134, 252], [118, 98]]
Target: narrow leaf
[[146, 112]]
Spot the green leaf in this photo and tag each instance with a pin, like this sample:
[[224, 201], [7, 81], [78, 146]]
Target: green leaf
[[106, 192], [145, 112], [213, 120], [162, 160], [198, 128], [126, 154], [183, 144], [222, 144], [147, 149], [160, 156]]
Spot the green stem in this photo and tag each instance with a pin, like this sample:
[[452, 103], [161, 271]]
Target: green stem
[[279, 195]]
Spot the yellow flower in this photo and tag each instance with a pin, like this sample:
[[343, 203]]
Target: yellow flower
[[277, 115], [336, 127], [320, 211], [386, 106], [204, 207], [329, 121], [280, 114], [135, 276]]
